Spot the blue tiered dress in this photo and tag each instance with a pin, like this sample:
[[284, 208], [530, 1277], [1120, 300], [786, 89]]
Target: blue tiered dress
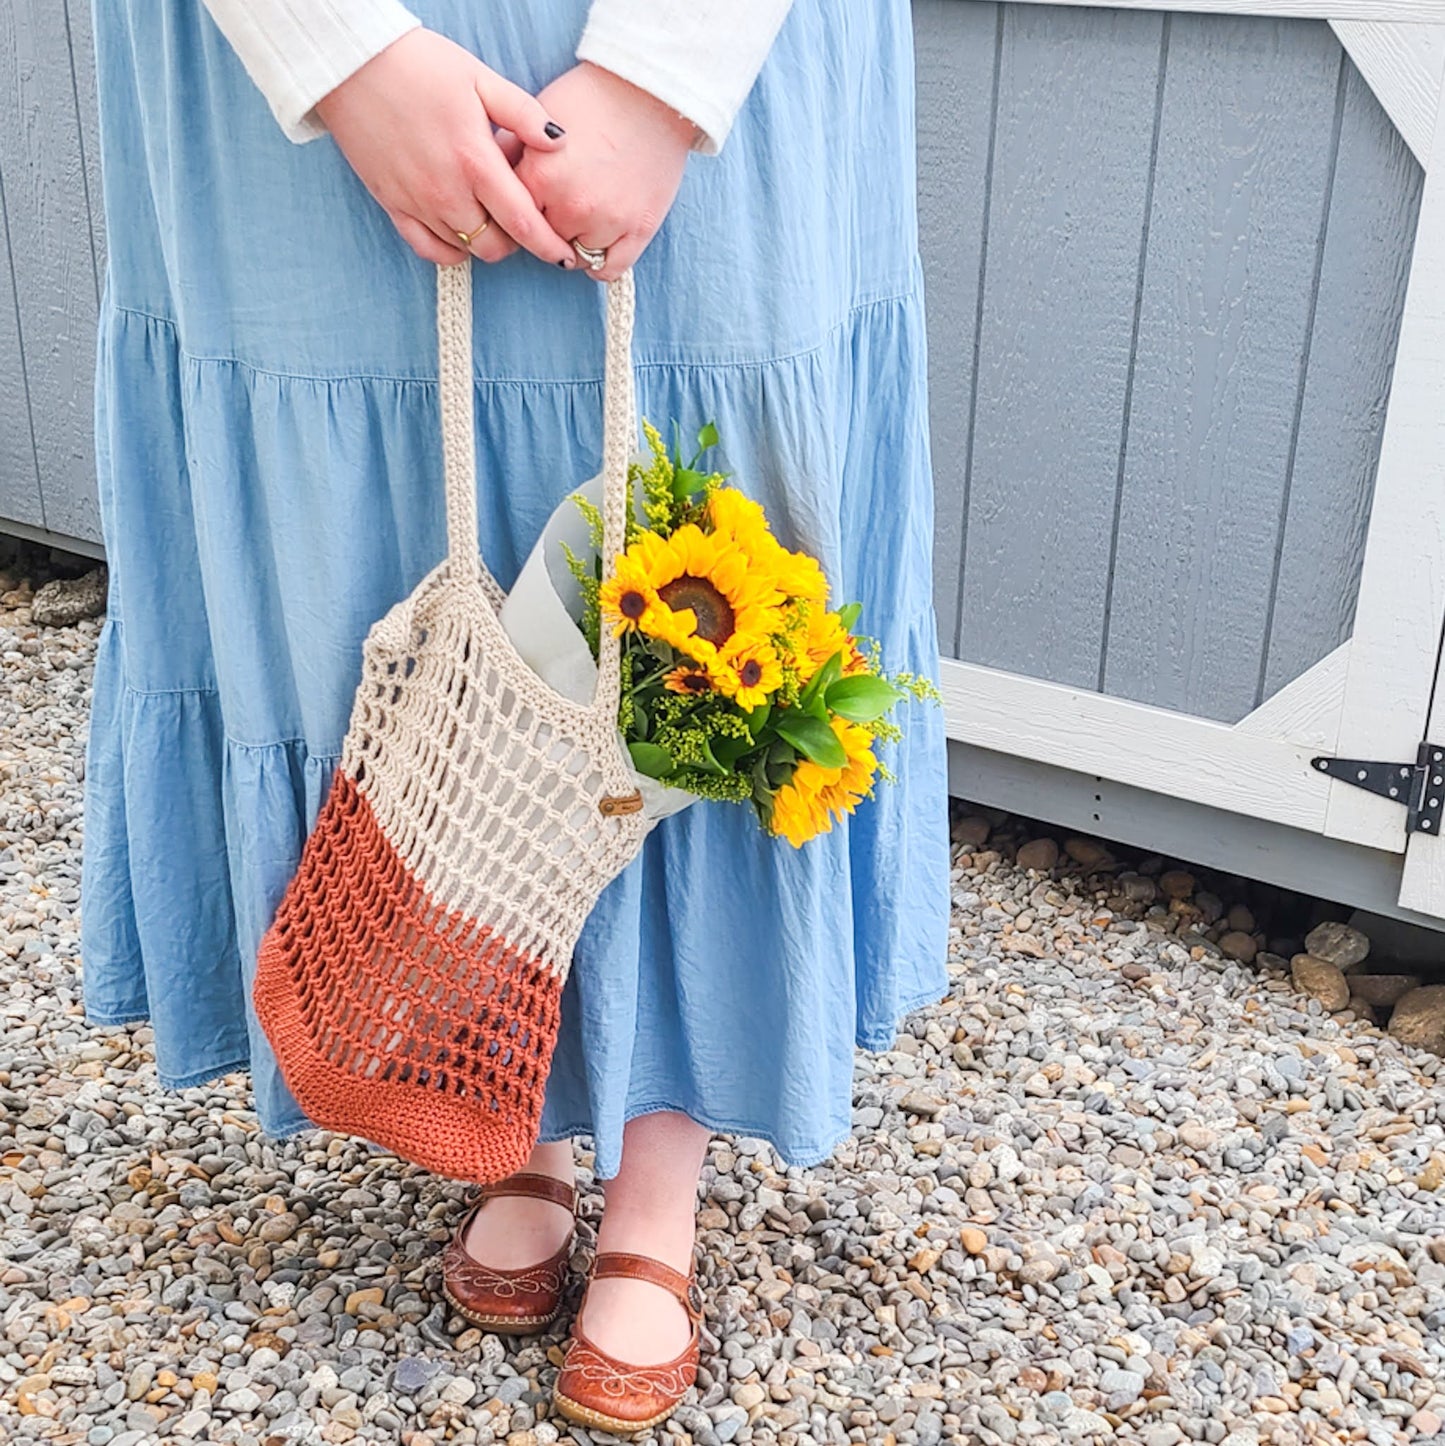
[[270, 478]]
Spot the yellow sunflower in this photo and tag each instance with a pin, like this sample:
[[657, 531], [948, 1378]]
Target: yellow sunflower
[[732, 511], [795, 574], [748, 591], [674, 626], [693, 589], [824, 636], [799, 575], [806, 805], [685, 679], [628, 595], [746, 669], [798, 813]]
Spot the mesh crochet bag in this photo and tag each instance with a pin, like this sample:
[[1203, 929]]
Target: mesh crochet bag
[[410, 981]]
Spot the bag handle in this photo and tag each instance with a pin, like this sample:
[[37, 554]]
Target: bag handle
[[459, 451]]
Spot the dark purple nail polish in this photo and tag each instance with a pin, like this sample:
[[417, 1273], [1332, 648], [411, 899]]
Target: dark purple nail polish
[[553, 131], [565, 264]]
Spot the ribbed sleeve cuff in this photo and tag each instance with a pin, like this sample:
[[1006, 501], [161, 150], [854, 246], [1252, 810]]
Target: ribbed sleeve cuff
[[698, 56], [297, 51]]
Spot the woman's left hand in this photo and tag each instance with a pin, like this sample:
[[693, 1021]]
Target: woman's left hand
[[612, 185]]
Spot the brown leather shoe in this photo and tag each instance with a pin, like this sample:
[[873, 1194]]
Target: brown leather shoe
[[597, 1390], [511, 1302]]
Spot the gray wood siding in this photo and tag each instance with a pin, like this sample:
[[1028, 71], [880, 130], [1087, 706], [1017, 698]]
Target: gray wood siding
[[1166, 257], [1067, 194], [1160, 341], [1363, 272], [1241, 173], [53, 265]]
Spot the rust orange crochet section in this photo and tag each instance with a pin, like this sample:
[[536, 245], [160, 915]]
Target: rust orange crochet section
[[395, 1019]]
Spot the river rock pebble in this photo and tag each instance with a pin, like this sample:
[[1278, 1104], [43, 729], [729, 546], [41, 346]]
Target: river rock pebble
[[1114, 1186], [1419, 1018], [1040, 854], [1339, 944], [63, 601], [1381, 991], [1320, 980], [972, 831], [1239, 945], [1089, 854]]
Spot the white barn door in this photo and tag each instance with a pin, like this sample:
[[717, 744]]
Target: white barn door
[[1378, 696]]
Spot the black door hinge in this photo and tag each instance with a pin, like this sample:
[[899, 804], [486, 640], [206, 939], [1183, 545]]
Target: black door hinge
[[1419, 787]]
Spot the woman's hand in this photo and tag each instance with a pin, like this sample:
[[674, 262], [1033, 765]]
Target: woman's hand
[[613, 182], [416, 124]]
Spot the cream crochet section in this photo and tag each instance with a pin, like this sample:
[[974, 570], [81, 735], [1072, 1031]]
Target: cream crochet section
[[499, 794]]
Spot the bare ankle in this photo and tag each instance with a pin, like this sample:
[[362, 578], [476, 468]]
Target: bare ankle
[[555, 1159], [668, 1236]]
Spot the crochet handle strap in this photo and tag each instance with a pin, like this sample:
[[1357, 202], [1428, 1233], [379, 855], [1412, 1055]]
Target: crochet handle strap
[[619, 433]]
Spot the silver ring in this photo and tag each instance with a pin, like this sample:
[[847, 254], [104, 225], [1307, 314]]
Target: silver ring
[[595, 259]]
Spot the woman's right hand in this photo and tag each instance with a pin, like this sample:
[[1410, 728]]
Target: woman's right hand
[[416, 124]]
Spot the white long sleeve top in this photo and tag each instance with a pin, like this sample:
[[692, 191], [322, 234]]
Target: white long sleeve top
[[698, 56]]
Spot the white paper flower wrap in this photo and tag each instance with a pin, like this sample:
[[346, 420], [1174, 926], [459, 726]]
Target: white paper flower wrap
[[540, 616]]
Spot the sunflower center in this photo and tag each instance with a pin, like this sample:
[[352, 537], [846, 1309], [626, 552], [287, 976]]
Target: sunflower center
[[750, 673], [632, 604], [713, 611], [696, 682]]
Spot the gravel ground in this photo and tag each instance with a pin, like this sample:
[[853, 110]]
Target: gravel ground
[[1116, 1187]]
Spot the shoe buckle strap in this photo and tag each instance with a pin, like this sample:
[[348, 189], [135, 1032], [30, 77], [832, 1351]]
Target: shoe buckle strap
[[537, 1187], [627, 1266]]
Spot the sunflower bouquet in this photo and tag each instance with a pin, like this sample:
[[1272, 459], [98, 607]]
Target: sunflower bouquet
[[738, 681]]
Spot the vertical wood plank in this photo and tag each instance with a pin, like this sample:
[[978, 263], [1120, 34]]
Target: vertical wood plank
[[1071, 174], [19, 478], [79, 25], [1244, 161], [52, 253], [1374, 209], [955, 49]]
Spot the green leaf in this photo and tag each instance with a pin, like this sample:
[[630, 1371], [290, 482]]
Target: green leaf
[[650, 760], [849, 615], [728, 750], [828, 673], [707, 437], [713, 766], [686, 481], [814, 739], [757, 717], [862, 697], [778, 763], [780, 774]]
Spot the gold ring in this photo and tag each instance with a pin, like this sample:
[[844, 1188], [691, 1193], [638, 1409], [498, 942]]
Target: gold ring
[[466, 239]]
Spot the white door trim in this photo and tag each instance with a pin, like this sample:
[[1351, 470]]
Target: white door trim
[[1306, 711], [1405, 12], [1171, 753], [1402, 585], [1404, 66]]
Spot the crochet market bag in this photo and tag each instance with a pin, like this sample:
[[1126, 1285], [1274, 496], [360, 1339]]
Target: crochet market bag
[[410, 981]]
